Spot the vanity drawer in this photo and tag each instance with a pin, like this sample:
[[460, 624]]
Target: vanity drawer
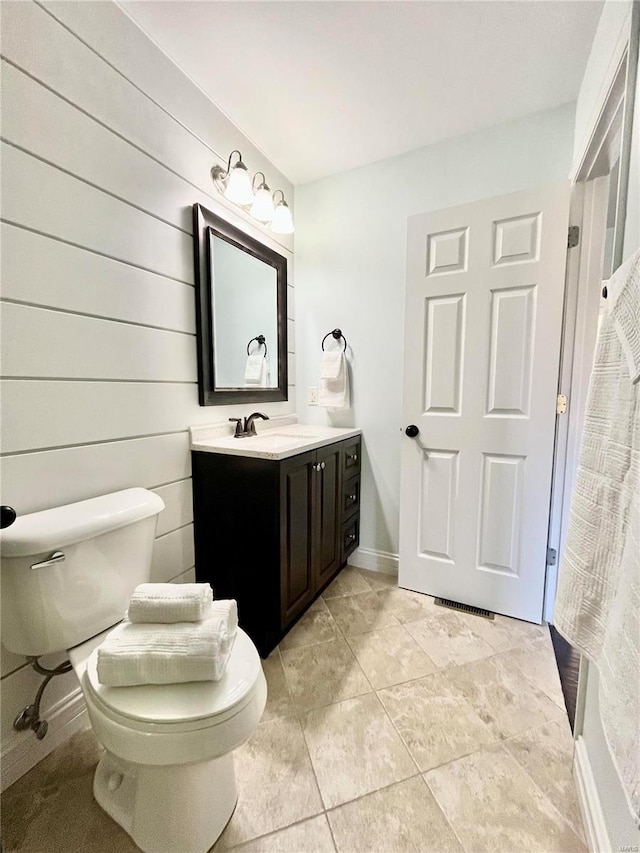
[[350, 496], [350, 537], [351, 457]]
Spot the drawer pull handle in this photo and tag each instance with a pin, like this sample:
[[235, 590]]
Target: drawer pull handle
[[352, 457], [352, 498], [323, 465], [56, 557], [351, 537]]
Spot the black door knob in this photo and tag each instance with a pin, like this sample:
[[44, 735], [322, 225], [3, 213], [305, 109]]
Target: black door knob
[[412, 431], [7, 516]]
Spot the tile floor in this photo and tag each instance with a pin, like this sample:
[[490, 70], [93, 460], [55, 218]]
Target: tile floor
[[392, 725]]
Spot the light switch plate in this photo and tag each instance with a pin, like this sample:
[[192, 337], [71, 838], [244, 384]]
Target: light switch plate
[[312, 396]]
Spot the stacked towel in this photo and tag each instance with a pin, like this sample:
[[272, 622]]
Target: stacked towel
[[171, 602], [173, 633], [165, 654], [256, 371], [333, 388]]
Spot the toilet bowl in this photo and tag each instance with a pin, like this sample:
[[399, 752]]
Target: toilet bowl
[[167, 774]]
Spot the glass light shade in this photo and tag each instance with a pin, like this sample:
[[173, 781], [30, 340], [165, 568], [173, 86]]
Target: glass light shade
[[262, 208], [282, 223], [238, 188]]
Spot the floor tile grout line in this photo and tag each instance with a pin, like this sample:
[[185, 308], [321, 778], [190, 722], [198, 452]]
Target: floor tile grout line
[[544, 795], [325, 812], [242, 844], [313, 770], [531, 681], [532, 730], [394, 727], [444, 814], [333, 838], [344, 638], [301, 724]]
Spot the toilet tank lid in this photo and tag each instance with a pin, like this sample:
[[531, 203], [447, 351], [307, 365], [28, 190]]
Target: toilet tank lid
[[66, 525]]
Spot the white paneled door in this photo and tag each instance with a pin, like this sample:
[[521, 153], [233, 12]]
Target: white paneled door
[[484, 299]]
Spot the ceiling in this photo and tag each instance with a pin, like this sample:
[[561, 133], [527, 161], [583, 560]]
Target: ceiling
[[322, 87]]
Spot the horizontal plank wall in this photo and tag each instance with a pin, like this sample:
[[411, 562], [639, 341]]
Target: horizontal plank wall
[[106, 145]]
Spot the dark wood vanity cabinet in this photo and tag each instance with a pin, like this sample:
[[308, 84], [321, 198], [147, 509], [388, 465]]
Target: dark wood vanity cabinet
[[272, 534]]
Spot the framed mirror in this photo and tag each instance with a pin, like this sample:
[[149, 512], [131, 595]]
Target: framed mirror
[[241, 314]]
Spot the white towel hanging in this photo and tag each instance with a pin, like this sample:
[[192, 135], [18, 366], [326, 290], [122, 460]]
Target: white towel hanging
[[333, 393], [331, 364], [256, 371], [598, 600]]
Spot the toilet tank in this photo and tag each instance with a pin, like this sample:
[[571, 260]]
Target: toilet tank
[[106, 545]]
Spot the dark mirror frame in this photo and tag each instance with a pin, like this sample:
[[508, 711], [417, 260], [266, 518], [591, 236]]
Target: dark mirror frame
[[206, 224]]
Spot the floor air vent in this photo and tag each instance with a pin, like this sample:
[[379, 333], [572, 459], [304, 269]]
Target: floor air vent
[[466, 608]]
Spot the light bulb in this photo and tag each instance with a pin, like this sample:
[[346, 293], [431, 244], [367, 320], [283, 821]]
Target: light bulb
[[238, 189], [262, 208], [282, 223]]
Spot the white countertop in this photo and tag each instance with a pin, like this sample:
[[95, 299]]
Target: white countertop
[[277, 439]]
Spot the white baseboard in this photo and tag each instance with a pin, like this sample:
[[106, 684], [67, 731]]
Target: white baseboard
[[592, 816], [24, 750], [375, 561]]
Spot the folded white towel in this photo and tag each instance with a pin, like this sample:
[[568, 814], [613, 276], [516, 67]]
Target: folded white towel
[[228, 609], [256, 371], [170, 602], [333, 394], [165, 654], [331, 364]]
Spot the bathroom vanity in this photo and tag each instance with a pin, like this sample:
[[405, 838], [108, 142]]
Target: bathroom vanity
[[276, 517]]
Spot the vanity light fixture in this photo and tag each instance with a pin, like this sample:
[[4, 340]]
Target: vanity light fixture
[[234, 182], [282, 223], [262, 208]]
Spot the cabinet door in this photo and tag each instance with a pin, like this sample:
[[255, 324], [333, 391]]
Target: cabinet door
[[297, 496], [326, 546]]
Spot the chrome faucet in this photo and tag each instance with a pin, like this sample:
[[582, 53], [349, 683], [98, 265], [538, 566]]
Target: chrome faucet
[[249, 427]]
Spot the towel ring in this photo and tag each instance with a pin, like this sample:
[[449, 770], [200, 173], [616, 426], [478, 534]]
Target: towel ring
[[261, 343], [337, 334]]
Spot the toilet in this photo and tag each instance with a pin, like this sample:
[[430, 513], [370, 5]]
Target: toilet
[[167, 774]]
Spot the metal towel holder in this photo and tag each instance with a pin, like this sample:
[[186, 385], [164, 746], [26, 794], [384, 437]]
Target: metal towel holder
[[262, 342], [336, 334]]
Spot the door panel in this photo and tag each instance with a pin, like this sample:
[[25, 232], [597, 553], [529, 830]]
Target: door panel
[[437, 493], [485, 288], [298, 482], [444, 321], [327, 521]]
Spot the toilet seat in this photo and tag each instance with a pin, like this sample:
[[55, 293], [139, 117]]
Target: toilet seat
[[179, 707], [161, 724]]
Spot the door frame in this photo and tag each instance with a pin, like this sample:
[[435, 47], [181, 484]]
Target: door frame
[[588, 211]]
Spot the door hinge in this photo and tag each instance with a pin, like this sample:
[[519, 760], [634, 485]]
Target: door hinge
[[573, 237], [561, 404], [552, 556]]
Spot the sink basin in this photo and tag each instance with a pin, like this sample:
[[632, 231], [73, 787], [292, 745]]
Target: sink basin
[[279, 438], [292, 434], [273, 440]]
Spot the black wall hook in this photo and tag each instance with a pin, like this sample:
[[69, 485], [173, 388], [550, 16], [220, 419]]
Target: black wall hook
[[337, 334]]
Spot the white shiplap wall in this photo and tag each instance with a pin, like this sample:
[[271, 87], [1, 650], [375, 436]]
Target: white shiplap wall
[[106, 145]]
